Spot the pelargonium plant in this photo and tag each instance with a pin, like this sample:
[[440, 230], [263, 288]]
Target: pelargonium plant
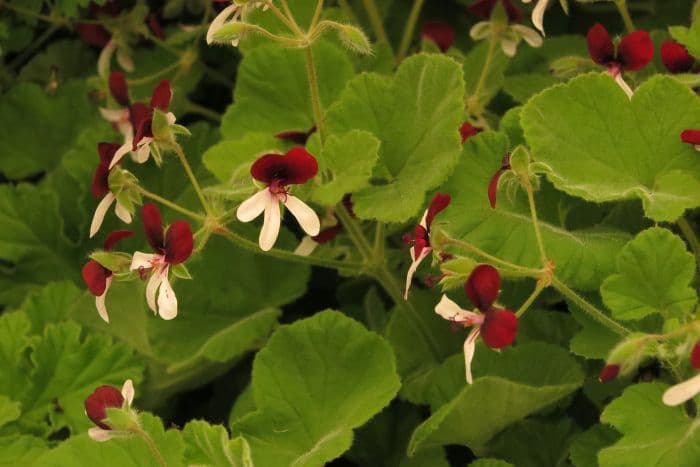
[[349, 233]]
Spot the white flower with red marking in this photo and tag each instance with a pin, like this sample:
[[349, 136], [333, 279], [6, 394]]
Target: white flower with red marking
[[172, 246], [100, 188], [97, 403], [683, 392], [420, 243], [496, 326], [278, 172], [98, 278]]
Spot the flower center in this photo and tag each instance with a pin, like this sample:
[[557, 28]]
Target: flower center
[[278, 188]]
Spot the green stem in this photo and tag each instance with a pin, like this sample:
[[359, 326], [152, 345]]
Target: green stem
[[354, 231], [530, 272], [317, 15], [153, 76], [58, 21], [170, 204], [531, 299], [625, 13], [313, 92], [35, 45], [192, 107], [375, 20], [474, 105], [151, 446], [281, 16], [379, 239], [536, 223], [591, 310], [408, 29], [190, 174], [689, 235]]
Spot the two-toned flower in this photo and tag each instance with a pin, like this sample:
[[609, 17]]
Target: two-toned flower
[[103, 398], [683, 392], [232, 14], [509, 34], [101, 189]]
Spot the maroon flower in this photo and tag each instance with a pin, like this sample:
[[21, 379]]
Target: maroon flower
[[484, 8], [440, 33], [467, 130], [634, 51], [609, 373], [100, 188], [119, 89], [142, 115], [493, 183], [103, 398], [95, 34], [676, 58], [297, 137]]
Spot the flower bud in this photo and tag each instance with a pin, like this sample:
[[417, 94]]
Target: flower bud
[[354, 39], [520, 162], [232, 31], [97, 403], [609, 373]]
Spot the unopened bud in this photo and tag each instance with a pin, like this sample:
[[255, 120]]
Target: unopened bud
[[232, 31], [609, 373], [354, 39]]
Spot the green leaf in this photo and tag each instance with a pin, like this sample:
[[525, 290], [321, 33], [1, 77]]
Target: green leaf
[[508, 386], [20, 450], [306, 408], [474, 64], [50, 304], [593, 340], [9, 410], [652, 433], [281, 104], [61, 60], [416, 116], [523, 86], [507, 231], [689, 37], [70, 8], [654, 273], [490, 463], [350, 159], [209, 445], [229, 160], [14, 340], [596, 144], [585, 447]]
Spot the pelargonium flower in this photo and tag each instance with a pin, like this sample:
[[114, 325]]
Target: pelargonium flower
[[440, 33], [97, 35], [232, 14], [676, 58], [120, 117], [682, 392], [420, 243], [467, 130], [634, 52], [493, 183], [100, 188], [484, 8], [98, 278], [691, 137], [496, 326], [296, 136], [509, 37], [538, 14], [141, 117], [277, 172], [172, 246], [100, 400]]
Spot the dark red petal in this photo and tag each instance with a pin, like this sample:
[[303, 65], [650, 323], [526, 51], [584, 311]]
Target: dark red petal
[[635, 51], [119, 88], [695, 356], [484, 8], [326, 235], [483, 286], [420, 240], [493, 187], [111, 8], [106, 152], [439, 202], [153, 226], [100, 181], [178, 242], [139, 112], [95, 276], [295, 167], [160, 99], [93, 34], [439, 32], [608, 373], [499, 328], [691, 137], [600, 45], [676, 58], [155, 26], [115, 237], [467, 130], [97, 403]]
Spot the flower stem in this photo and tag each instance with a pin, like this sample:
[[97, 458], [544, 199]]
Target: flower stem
[[473, 104], [625, 13], [317, 15], [541, 285], [535, 222], [530, 272], [379, 239], [409, 29], [591, 310], [354, 231], [313, 92], [36, 44], [195, 108], [190, 174], [689, 235], [151, 446], [168, 203], [375, 20]]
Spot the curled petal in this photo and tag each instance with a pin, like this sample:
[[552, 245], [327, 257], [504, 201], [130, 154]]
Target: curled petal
[[296, 137], [483, 286], [297, 166], [95, 276], [128, 392], [119, 88], [438, 204], [100, 302], [413, 267], [480, 30], [255, 205], [509, 45], [635, 51], [307, 217], [167, 301], [152, 289], [327, 234], [493, 187], [114, 237], [691, 137], [467, 130], [123, 150], [153, 226], [271, 226], [453, 312], [538, 15], [106, 57], [440, 33], [676, 58], [178, 242], [100, 212], [160, 99], [600, 45], [623, 85], [99, 434], [114, 115], [306, 246], [124, 60], [122, 213], [499, 328], [469, 350], [143, 151], [682, 392]]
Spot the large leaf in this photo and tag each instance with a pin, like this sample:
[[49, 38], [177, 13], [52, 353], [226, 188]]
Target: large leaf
[[314, 382], [14, 340], [416, 116], [209, 445], [598, 145], [654, 273], [507, 231], [508, 386], [653, 434]]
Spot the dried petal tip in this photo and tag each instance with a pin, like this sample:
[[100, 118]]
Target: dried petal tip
[[499, 328], [695, 356], [439, 32], [676, 58], [608, 373], [97, 403], [483, 286]]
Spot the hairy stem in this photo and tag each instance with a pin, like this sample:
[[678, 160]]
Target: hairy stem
[[625, 13], [473, 105], [317, 15], [536, 223], [195, 108], [170, 204], [190, 174], [541, 285], [151, 446], [408, 30], [529, 272], [313, 92]]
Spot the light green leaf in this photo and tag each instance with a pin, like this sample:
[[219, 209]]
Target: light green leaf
[[9, 410], [507, 231], [314, 382], [689, 37], [350, 159], [654, 273], [508, 386], [652, 433], [282, 103], [20, 450], [416, 116], [523, 86], [229, 160], [50, 304], [598, 145], [61, 60], [14, 340], [593, 340], [209, 445], [585, 447]]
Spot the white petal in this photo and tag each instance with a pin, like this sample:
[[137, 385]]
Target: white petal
[[98, 434], [469, 349], [100, 302], [271, 226], [453, 312], [530, 36], [143, 151], [128, 391], [115, 115], [170, 118], [480, 30], [123, 150], [122, 213], [623, 84], [100, 212], [143, 260], [306, 246], [105, 57], [538, 15], [167, 301], [509, 46], [152, 288], [126, 129], [423, 221], [219, 21], [254, 206], [124, 59], [413, 267], [682, 392], [307, 217]]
